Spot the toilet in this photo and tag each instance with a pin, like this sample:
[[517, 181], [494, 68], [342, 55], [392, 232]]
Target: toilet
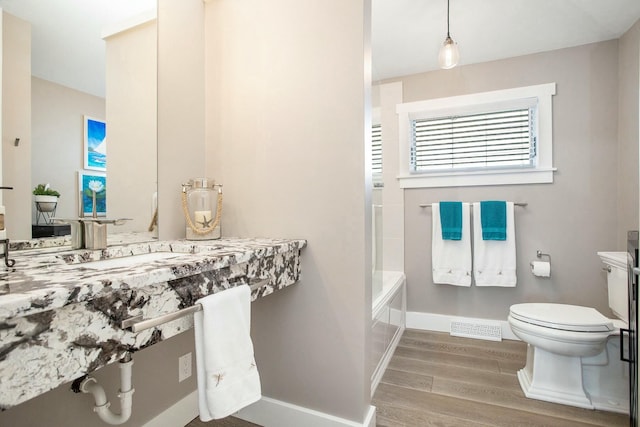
[[573, 352]]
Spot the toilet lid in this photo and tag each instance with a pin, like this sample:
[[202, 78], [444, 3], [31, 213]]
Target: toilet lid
[[562, 316]]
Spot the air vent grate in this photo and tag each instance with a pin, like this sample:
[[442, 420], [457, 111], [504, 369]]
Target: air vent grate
[[473, 329]]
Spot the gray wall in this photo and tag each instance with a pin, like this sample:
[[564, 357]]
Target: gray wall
[[286, 136], [571, 219], [628, 92]]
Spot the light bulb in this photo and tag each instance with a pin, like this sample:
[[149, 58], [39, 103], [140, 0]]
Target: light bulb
[[449, 54]]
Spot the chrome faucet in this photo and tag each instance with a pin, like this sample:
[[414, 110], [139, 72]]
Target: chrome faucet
[[90, 233], [95, 231]]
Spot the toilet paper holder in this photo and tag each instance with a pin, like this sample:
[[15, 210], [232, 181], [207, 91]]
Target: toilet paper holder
[[539, 254], [541, 268]]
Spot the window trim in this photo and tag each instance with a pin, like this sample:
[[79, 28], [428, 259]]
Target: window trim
[[543, 170]]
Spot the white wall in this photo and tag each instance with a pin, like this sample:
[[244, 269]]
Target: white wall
[[286, 126], [16, 123], [181, 103], [131, 105]]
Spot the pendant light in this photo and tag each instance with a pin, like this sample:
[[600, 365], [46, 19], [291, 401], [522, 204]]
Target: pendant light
[[449, 54]]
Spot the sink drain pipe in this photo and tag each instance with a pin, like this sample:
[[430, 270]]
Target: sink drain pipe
[[90, 385]]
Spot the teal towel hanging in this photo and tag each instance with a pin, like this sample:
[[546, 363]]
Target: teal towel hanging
[[493, 217], [451, 220]]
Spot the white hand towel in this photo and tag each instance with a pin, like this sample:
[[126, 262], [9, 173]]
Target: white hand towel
[[228, 378], [451, 259], [494, 261]]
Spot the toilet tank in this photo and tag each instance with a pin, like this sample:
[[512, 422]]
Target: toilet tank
[[616, 266]]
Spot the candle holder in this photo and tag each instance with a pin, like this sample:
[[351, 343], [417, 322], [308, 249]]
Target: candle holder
[[202, 209]]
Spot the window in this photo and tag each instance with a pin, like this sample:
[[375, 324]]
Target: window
[[376, 149], [485, 140], [501, 137]]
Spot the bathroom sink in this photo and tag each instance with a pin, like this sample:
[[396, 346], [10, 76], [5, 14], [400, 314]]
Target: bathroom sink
[[129, 261]]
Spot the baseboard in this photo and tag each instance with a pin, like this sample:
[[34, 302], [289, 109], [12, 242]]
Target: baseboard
[[269, 412], [442, 323], [178, 414], [266, 412]]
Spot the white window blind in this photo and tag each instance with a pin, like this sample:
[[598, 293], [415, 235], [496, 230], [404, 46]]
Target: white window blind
[[376, 148], [454, 141], [475, 141]]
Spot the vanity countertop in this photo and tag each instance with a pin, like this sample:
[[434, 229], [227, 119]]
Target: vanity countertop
[[61, 311], [42, 280]]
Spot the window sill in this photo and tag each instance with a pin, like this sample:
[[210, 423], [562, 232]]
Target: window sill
[[476, 178]]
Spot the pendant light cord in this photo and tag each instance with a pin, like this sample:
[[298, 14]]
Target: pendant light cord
[[448, 35]]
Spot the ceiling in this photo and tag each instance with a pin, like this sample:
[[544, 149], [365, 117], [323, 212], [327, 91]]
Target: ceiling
[[407, 34], [66, 37], [68, 48]]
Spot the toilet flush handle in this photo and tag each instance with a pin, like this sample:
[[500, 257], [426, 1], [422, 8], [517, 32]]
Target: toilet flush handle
[[607, 268]]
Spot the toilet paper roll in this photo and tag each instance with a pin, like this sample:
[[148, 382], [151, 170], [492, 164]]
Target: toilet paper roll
[[541, 268]]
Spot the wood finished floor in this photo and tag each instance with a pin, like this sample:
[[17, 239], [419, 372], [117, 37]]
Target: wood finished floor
[[434, 379]]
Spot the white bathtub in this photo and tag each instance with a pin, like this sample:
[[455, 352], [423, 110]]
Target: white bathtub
[[388, 282], [388, 314]]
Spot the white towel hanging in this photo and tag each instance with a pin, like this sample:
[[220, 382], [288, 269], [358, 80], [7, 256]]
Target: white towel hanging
[[451, 259], [494, 261], [228, 378]]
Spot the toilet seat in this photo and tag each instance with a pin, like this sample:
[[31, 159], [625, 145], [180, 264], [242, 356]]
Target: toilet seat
[[562, 317]]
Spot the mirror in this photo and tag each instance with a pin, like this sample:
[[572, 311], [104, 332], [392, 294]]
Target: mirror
[[92, 60]]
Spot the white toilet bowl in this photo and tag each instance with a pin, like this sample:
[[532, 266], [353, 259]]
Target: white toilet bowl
[[573, 356]]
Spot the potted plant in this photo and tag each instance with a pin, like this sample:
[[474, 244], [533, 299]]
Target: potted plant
[[46, 198]]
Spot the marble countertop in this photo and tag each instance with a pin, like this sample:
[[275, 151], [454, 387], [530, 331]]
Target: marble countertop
[[43, 279], [59, 242], [61, 316]]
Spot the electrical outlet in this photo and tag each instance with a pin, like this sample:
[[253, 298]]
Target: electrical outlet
[[184, 367]]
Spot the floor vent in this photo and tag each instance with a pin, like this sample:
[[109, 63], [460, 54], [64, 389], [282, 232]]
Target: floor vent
[[474, 329]]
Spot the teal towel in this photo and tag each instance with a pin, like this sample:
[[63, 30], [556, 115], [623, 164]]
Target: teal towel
[[451, 220], [493, 217]]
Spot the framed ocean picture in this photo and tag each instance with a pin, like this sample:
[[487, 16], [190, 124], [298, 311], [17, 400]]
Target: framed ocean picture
[[88, 182], [95, 144]]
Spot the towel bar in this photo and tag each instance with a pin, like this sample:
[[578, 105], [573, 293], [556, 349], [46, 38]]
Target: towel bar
[[428, 205], [137, 324]]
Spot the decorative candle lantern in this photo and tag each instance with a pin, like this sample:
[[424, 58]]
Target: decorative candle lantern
[[202, 208]]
